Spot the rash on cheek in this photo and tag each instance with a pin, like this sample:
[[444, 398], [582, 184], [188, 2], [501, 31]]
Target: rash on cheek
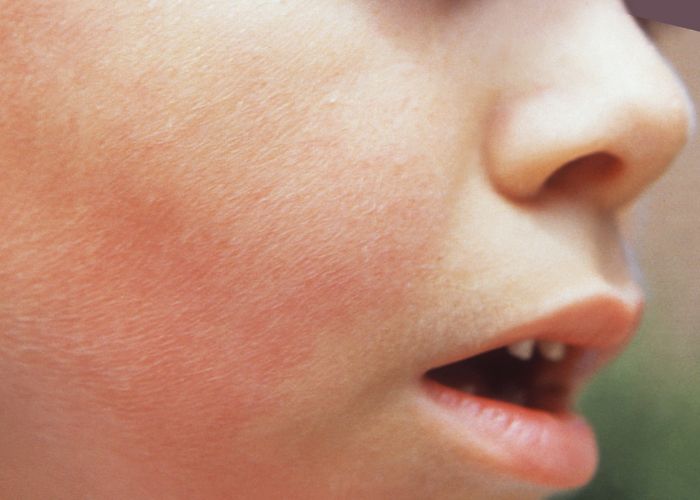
[[173, 306], [201, 237]]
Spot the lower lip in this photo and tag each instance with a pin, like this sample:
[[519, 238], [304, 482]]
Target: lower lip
[[552, 450]]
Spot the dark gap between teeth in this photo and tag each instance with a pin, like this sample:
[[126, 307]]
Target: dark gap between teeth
[[498, 375]]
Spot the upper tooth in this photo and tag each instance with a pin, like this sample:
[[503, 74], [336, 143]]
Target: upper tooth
[[553, 351], [522, 349]]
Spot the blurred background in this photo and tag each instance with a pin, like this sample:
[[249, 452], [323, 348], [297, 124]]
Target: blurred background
[[646, 406]]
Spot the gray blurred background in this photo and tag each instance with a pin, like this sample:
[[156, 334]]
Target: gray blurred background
[[646, 406]]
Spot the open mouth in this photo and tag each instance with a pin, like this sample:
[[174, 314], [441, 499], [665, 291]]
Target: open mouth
[[534, 374], [508, 402], [515, 402]]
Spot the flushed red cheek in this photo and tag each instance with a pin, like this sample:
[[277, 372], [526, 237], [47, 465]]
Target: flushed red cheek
[[185, 273], [169, 293], [184, 317]]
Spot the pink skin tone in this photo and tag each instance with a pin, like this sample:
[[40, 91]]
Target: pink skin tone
[[234, 235]]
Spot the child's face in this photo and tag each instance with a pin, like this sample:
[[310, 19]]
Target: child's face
[[237, 234]]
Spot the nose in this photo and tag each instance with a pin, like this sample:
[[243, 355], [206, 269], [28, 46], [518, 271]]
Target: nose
[[603, 135]]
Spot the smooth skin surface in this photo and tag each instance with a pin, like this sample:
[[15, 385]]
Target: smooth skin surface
[[235, 234]]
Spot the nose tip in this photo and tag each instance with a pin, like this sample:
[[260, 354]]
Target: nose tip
[[605, 140]]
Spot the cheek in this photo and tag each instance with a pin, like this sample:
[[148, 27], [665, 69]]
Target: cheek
[[178, 301], [182, 258]]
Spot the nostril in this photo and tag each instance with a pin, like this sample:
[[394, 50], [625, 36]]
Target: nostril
[[589, 173]]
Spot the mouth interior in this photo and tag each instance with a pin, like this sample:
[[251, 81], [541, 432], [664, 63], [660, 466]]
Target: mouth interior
[[535, 383]]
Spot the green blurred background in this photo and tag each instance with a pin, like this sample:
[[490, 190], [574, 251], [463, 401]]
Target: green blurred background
[[646, 406]]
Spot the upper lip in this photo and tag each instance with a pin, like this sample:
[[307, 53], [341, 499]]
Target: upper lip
[[600, 322]]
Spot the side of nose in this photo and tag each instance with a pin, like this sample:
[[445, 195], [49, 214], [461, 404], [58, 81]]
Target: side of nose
[[604, 135]]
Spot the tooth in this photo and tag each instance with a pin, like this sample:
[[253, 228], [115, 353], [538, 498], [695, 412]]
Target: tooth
[[553, 351], [522, 349]]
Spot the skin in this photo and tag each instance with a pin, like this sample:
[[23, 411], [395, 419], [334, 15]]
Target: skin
[[234, 235]]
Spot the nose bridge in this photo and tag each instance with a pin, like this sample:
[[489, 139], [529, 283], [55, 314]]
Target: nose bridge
[[604, 124]]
